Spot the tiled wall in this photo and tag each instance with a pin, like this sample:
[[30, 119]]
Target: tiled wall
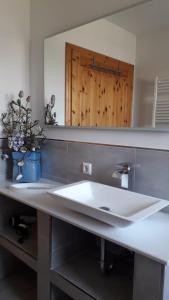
[[62, 160]]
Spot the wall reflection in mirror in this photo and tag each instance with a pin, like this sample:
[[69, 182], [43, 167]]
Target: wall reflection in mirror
[[113, 72]]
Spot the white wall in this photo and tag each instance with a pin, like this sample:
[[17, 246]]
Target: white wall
[[155, 46], [54, 16], [152, 60], [14, 49], [100, 36]]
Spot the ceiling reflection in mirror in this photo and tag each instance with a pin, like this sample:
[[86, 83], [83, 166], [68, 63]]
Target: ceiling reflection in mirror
[[113, 72]]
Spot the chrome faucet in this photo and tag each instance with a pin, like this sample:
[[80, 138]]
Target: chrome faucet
[[123, 172]]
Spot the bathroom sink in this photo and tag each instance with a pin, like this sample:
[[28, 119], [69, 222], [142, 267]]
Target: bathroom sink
[[37, 186], [108, 204]]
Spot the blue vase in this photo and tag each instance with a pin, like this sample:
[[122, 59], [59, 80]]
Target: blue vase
[[31, 169]]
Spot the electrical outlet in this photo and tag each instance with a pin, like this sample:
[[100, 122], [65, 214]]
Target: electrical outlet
[[87, 168]]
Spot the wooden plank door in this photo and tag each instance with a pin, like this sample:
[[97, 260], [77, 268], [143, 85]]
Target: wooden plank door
[[99, 89]]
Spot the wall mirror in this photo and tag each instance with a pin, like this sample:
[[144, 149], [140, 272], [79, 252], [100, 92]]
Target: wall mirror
[[113, 72]]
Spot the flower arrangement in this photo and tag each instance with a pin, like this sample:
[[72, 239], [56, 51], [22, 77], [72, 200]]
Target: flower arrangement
[[22, 132]]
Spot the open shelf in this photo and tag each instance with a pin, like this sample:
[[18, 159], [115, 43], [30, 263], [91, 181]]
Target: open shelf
[[9, 239], [29, 245], [19, 286], [57, 294], [18, 252], [83, 272]]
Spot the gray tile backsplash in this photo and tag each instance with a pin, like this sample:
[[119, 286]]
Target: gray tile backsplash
[[62, 160], [103, 158], [54, 160], [152, 173]]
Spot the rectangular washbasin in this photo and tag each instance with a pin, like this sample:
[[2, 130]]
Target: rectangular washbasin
[[108, 204]]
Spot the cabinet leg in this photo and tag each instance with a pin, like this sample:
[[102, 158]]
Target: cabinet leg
[[44, 236], [151, 279]]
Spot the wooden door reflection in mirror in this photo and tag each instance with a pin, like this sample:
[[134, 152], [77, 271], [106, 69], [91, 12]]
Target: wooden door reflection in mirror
[[99, 89]]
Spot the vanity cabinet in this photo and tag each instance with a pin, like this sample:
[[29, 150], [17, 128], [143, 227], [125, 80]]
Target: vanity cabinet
[[63, 256], [69, 262], [58, 294], [18, 258], [73, 267], [76, 265], [25, 250], [151, 279]]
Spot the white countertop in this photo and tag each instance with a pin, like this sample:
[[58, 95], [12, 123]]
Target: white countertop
[[149, 237]]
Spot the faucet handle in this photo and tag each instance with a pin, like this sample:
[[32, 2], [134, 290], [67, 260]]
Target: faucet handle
[[123, 168], [123, 171]]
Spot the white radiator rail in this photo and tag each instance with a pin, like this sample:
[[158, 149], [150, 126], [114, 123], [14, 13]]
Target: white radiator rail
[[161, 102]]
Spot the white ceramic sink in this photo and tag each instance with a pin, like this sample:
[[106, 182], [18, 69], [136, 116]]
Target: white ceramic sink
[[107, 204], [36, 186]]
